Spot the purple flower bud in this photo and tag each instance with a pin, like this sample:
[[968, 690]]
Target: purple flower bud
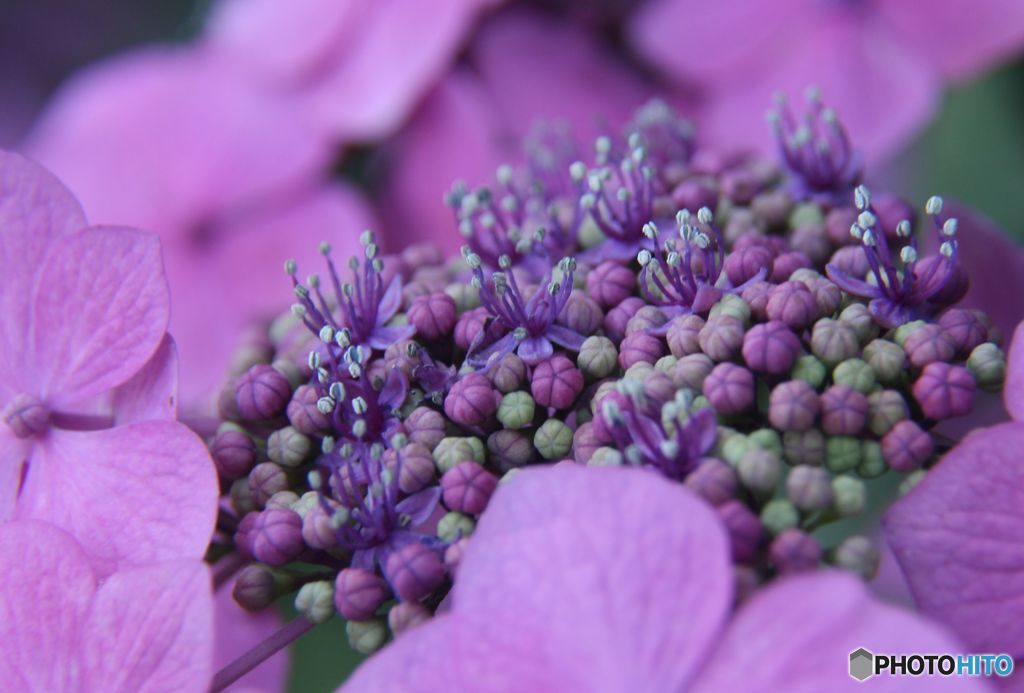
[[859, 555], [886, 408], [744, 528], [834, 341], [423, 254], [944, 391], [743, 265], [759, 470], [317, 531], [793, 406], [851, 260], [609, 284], [398, 355], [414, 289], [694, 193], [358, 593], [467, 487], [713, 480], [304, 414], [721, 337], [965, 328], [810, 488], [682, 335], [414, 571], [787, 263], [640, 347], [453, 555], [584, 442], [255, 588], [792, 303], [265, 480], [691, 371], [772, 208], [740, 184], [234, 453], [287, 447], [276, 536], [928, 344], [837, 226], [843, 411], [508, 374], [804, 447], [471, 401], [891, 210], [581, 314], [827, 294], [771, 347], [756, 296], [404, 616], [417, 470], [906, 447], [616, 319], [556, 382], [810, 239], [424, 426], [646, 318], [468, 326], [432, 315], [262, 392], [26, 416], [658, 388], [858, 316], [509, 449], [956, 284], [795, 551], [729, 388]]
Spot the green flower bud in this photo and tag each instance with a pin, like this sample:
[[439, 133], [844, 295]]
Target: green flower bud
[[805, 275], [465, 295], [850, 495], [315, 601], [912, 480], [589, 234], [766, 439], [901, 333], [857, 316], [288, 447], [886, 359], [516, 409], [606, 457], [833, 341], [639, 371], [366, 637], [806, 214], [778, 515], [987, 364], [809, 488], [598, 357], [759, 470], [307, 501], [453, 526], [553, 440], [450, 451], [282, 499], [700, 402], [842, 453], [241, 496], [855, 373], [872, 463], [886, 408], [734, 448], [508, 476], [665, 364], [804, 447], [734, 305], [858, 555], [808, 368]]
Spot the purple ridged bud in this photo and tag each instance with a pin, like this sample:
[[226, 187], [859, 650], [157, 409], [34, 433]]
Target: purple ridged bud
[[261, 393], [837, 226], [929, 344], [276, 536], [234, 453], [810, 239], [844, 411], [721, 337], [509, 449], [609, 284], [453, 555], [414, 571], [358, 593], [647, 318], [508, 374], [640, 347], [423, 254], [740, 184], [682, 335], [691, 371], [956, 285], [944, 391], [304, 414], [772, 208], [658, 388], [786, 263], [471, 401], [965, 328], [793, 406], [834, 341], [432, 315], [467, 487], [468, 326], [317, 531], [713, 480], [729, 388], [827, 294], [795, 551], [744, 528], [858, 316], [615, 320], [404, 616], [851, 260], [255, 588], [425, 426], [756, 296], [581, 314], [287, 447], [398, 355], [584, 442], [556, 382], [809, 488], [417, 470], [759, 470], [26, 416], [412, 290], [886, 408], [265, 480], [906, 447], [792, 303], [771, 347], [694, 193], [743, 265], [804, 447]]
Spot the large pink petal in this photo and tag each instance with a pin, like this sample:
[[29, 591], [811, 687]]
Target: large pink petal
[[985, 32], [138, 493], [151, 629], [152, 393], [1013, 391], [958, 537], [46, 585], [798, 635], [238, 631], [35, 209], [99, 314], [13, 453]]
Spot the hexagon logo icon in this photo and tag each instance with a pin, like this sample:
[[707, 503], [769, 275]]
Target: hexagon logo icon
[[861, 664]]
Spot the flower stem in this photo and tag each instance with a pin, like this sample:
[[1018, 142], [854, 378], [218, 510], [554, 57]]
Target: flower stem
[[288, 634]]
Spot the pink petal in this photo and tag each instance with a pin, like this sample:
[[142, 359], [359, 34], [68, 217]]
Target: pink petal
[[46, 585], [983, 32], [101, 311], [238, 631], [797, 635], [1013, 390], [134, 494], [13, 453], [151, 629], [152, 393], [958, 538]]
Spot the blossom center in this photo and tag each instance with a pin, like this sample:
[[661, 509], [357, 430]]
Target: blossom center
[[26, 416]]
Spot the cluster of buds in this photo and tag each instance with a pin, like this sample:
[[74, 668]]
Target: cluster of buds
[[767, 357]]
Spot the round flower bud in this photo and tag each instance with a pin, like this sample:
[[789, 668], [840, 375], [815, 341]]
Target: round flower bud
[[241, 496], [793, 406], [843, 411], [827, 294], [713, 480], [744, 529], [694, 193], [858, 555], [805, 214], [770, 347], [682, 335], [795, 551], [787, 263], [405, 616], [837, 226], [856, 374], [859, 318], [516, 410], [276, 536], [906, 447], [398, 355], [265, 480], [615, 320], [287, 447], [467, 487], [792, 303], [759, 470], [732, 305], [911, 481], [804, 447], [944, 391], [581, 314], [610, 283], [900, 334], [584, 442], [366, 637], [454, 526], [317, 531], [833, 341], [987, 364], [468, 326], [262, 392], [743, 265], [425, 254], [734, 448], [809, 369], [721, 337], [598, 357], [358, 593], [606, 457], [450, 451], [233, 452], [433, 315], [508, 374], [689, 372], [414, 571], [553, 439], [851, 260], [510, 449], [756, 298], [886, 408], [665, 364], [739, 185], [766, 439], [471, 400], [850, 495], [964, 328], [810, 488], [842, 453], [872, 462], [26, 416], [255, 588], [466, 296], [315, 601], [778, 515], [810, 239], [928, 344], [424, 426], [303, 413], [729, 388], [556, 382], [640, 347]]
